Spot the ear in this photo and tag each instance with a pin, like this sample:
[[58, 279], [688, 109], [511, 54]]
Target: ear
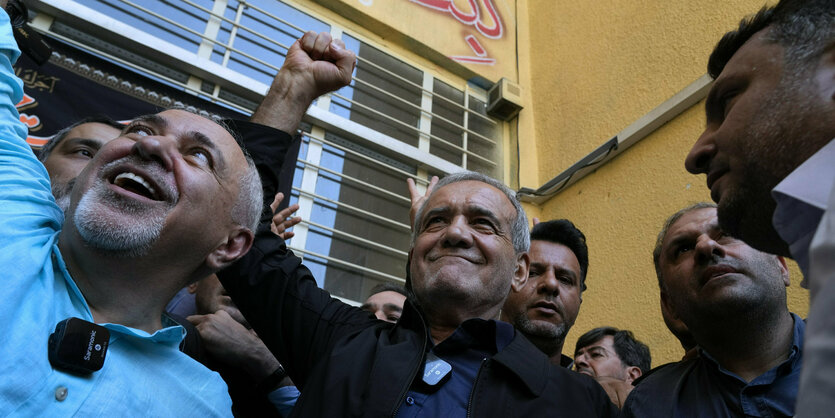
[[784, 270], [633, 373], [667, 307], [520, 275], [192, 287], [237, 244]]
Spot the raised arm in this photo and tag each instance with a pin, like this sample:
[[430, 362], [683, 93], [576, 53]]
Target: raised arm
[[315, 65]]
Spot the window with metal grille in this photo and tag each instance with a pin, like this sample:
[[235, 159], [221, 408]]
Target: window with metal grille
[[394, 121]]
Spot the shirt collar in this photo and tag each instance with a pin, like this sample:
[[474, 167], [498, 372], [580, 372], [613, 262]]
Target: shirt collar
[[171, 334], [795, 355], [801, 199], [488, 335]]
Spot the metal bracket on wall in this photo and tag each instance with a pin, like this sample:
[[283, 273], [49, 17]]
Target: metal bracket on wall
[[633, 133]]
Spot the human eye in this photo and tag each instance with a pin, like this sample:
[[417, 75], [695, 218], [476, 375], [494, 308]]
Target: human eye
[[201, 156], [139, 129], [567, 279], [484, 223], [84, 152]]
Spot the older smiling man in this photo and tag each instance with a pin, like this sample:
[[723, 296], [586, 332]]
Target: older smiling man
[[447, 354]]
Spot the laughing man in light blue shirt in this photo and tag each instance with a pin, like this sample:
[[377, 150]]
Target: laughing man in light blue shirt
[[170, 201]]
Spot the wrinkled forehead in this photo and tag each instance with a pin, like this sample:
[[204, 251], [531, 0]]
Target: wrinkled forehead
[[176, 121], [472, 196], [696, 221]]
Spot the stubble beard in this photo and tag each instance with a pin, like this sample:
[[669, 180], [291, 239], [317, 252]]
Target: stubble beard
[[62, 193], [775, 134], [128, 238], [438, 290], [549, 338]]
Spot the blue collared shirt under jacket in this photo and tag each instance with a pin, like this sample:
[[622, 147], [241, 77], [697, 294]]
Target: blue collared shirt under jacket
[[700, 387], [465, 350], [143, 374]]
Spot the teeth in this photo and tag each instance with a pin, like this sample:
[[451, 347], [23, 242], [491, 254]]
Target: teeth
[[134, 177]]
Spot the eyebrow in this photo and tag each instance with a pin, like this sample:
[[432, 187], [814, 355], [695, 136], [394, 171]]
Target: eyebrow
[[87, 142], [392, 307], [435, 211], [366, 306], [590, 350], [712, 97], [157, 120], [714, 227], [204, 140], [482, 211]]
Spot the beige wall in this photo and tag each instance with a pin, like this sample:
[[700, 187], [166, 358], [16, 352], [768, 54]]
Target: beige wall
[[481, 40], [594, 68]]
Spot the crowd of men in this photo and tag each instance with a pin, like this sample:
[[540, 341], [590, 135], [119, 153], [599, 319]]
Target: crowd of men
[[162, 241]]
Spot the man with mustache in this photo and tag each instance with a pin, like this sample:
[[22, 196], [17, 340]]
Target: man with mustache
[[768, 153], [171, 200], [447, 355], [547, 306], [732, 298]]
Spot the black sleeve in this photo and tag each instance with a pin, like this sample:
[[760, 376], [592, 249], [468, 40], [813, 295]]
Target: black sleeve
[[298, 321], [192, 344], [277, 294], [275, 153]]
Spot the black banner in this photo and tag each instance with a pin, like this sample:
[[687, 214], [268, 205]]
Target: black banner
[[75, 84]]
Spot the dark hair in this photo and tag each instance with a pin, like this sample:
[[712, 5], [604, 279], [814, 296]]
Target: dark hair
[[630, 351], [656, 253], [56, 139], [562, 231], [803, 27], [388, 287]]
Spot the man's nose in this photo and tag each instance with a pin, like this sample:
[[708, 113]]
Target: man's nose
[[158, 148], [702, 153], [548, 283], [580, 361], [707, 248], [458, 233]]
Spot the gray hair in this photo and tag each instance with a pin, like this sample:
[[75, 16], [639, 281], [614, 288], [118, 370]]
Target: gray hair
[[656, 253], [519, 228]]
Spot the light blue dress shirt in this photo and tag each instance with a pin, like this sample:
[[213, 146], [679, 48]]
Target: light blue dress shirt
[[143, 374]]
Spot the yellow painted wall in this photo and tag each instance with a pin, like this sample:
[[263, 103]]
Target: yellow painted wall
[[594, 68], [438, 29]]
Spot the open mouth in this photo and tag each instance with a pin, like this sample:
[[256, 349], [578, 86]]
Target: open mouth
[[136, 184]]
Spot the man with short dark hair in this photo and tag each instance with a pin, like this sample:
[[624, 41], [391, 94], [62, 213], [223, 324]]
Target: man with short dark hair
[[767, 151], [732, 298], [609, 354], [547, 306], [386, 301], [448, 354]]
